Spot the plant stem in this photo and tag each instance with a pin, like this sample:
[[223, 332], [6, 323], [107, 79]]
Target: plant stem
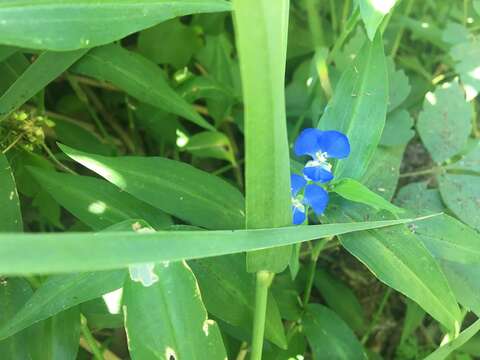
[[264, 280], [312, 266], [243, 351], [396, 43], [12, 144], [420, 172], [349, 27], [56, 161], [377, 315], [92, 343]]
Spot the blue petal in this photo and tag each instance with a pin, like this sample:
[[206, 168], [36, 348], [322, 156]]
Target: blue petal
[[316, 197], [297, 183], [318, 173], [334, 143], [298, 216], [307, 142]]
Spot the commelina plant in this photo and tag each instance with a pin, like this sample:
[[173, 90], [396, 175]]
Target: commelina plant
[[241, 179]]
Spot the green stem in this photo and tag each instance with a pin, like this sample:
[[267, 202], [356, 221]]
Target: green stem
[[420, 172], [264, 280], [312, 267], [349, 27], [377, 315], [56, 161], [92, 343], [333, 15], [396, 43]]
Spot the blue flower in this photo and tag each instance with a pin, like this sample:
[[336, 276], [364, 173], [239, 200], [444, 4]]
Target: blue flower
[[313, 195], [321, 146]]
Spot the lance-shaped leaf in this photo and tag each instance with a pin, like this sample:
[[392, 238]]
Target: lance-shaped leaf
[[172, 186], [44, 70], [373, 12], [73, 24], [138, 77], [359, 107], [68, 252], [10, 216]]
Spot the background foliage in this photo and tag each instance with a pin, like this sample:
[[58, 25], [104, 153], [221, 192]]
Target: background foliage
[[147, 145]]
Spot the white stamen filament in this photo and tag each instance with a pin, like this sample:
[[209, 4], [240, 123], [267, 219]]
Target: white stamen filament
[[297, 204], [321, 159]]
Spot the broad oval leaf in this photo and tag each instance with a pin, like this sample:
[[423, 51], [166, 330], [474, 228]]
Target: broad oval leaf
[[172, 186], [138, 77], [10, 216], [73, 24], [445, 122], [461, 194], [168, 320], [359, 107]]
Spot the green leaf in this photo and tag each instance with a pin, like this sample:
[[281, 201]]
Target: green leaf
[[11, 69], [445, 350], [399, 85], [468, 162], [80, 136], [96, 202], [341, 299], [329, 337], [59, 293], [216, 58], [262, 26], [414, 317], [465, 56], [14, 292], [355, 191], [179, 43], [6, 52], [138, 77], [419, 199], [73, 24], [211, 144], [68, 252], [373, 12], [10, 216], [172, 186], [461, 194], [400, 260], [359, 107], [383, 172], [44, 70], [57, 337], [456, 247], [168, 319], [228, 292], [398, 129], [445, 122]]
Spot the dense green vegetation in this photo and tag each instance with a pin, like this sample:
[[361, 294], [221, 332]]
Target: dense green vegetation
[[245, 179]]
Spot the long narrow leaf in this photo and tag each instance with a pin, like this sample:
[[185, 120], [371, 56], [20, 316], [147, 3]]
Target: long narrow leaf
[[261, 31], [74, 24], [68, 252]]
